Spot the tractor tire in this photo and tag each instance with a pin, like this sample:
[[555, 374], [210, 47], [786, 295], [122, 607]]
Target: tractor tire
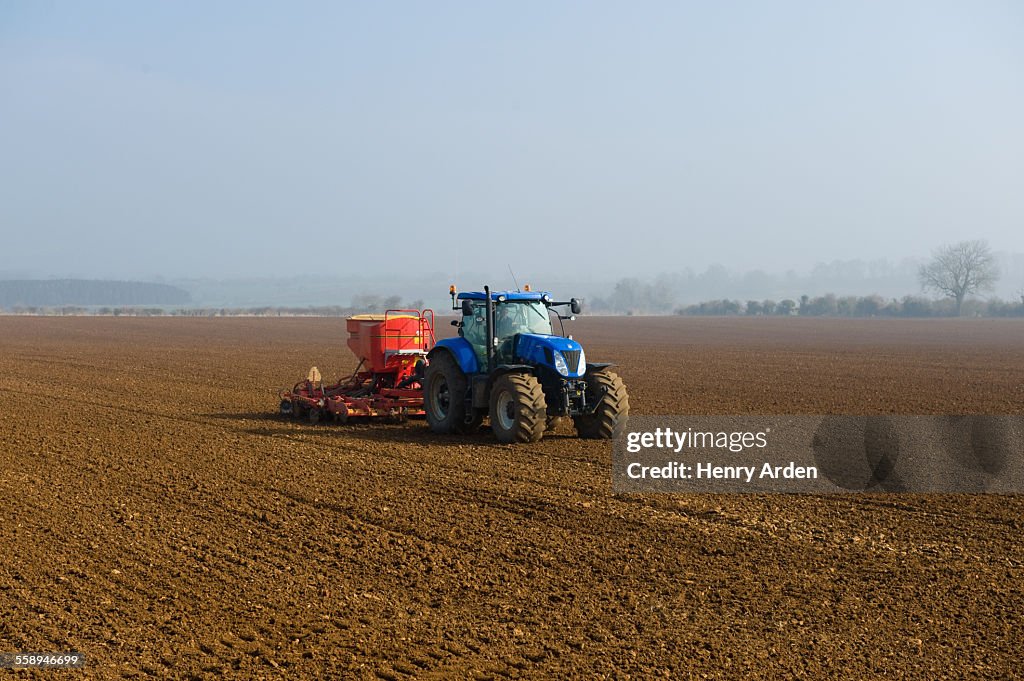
[[609, 420], [444, 391], [286, 409], [518, 409]]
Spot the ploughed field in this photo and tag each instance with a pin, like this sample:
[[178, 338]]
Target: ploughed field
[[158, 517]]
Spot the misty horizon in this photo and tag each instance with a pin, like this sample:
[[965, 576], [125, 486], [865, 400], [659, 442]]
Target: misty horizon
[[890, 279]]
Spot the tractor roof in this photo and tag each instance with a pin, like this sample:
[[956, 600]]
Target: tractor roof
[[509, 295]]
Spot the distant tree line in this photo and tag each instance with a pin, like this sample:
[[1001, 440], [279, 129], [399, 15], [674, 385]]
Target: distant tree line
[[67, 310], [831, 305], [60, 293], [821, 306], [956, 271], [369, 302], [361, 305], [267, 311]]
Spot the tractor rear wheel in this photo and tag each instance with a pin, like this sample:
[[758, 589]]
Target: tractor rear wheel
[[444, 397], [518, 409], [609, 419]]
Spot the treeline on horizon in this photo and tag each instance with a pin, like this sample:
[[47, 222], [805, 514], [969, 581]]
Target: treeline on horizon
[[62, 293], [828, 305], [74, 310], [71, 297], [671, 294], [361, 304], [630, 297], [831, 305], [128, 311]]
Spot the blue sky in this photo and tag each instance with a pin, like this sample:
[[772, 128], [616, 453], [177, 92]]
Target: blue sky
[[247, 139]]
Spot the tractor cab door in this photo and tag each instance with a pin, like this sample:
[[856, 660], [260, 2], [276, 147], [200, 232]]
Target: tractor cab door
[[474, 330]]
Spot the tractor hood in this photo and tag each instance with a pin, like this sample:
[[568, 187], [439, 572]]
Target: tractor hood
[[563, 355]]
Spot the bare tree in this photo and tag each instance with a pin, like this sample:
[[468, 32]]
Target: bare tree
[[958, 270]]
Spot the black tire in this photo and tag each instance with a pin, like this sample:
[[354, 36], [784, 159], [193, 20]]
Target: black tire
[[609, 420], [286, 409], [518, 409], [444, 393]]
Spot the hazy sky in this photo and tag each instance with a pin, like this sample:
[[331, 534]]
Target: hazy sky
[[237, 138]]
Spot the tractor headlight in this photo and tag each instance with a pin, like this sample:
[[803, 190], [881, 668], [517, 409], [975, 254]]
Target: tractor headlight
[[560, 365], [581, 368]]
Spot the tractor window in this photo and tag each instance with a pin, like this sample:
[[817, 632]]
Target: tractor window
[[521, 317]]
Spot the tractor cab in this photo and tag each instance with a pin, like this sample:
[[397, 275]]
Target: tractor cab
[[514, 314], [507, 363]]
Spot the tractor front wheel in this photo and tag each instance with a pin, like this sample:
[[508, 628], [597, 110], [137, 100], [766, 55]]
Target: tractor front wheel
[[518, 409], [444, 397], [609, 419]]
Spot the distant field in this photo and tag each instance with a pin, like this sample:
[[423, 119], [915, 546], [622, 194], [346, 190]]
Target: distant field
[[159, 518]]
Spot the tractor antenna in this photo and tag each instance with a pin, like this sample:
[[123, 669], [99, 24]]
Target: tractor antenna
[[456, 279], [513, 277]]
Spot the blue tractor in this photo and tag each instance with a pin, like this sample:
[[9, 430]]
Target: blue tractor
[[508, 365]]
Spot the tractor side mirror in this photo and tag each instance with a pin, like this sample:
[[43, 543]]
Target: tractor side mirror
[[574, 305], [467, 308]]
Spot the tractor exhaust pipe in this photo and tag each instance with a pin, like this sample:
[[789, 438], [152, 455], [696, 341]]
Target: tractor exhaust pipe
[[489, 317]]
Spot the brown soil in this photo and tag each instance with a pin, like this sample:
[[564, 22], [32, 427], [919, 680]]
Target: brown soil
[[157, 516]]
